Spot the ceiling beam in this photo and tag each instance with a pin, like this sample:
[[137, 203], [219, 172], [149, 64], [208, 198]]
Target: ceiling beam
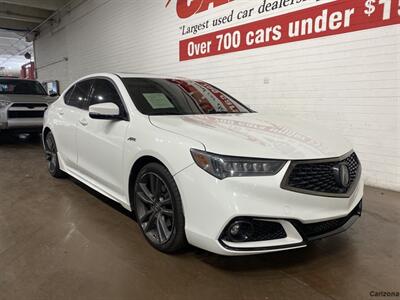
[[17, 25], [4, 37], [51, 5], [22, 18]]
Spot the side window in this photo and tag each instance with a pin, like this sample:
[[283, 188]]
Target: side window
[[104, 91], [80, 94], [68, 94]]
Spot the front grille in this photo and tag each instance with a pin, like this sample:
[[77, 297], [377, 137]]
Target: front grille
[[30, 105], [18, 114], [26, 110], [315, 230], [318, 176], [312, 230]]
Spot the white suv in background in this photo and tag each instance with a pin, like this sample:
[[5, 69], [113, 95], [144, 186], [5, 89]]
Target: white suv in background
[[22, 105], [195, 165]]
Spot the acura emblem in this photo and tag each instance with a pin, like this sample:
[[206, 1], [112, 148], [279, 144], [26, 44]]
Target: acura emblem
[[342, 175]]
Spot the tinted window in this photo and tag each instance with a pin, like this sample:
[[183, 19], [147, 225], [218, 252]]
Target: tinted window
[[104, 91], [80, 94], [180, 97], [68, 94], [21, 87]]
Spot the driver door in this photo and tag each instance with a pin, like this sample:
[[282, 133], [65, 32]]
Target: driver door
[[68, 116], [101, 143]]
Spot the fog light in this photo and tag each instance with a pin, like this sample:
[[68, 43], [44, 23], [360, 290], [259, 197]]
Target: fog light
[[240, 231], [235, 229]]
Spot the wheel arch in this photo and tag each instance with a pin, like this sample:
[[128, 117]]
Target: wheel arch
[[45, 131], [137, 166]]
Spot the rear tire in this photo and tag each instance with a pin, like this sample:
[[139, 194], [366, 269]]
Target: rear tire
[[52, 156], [158, 209]]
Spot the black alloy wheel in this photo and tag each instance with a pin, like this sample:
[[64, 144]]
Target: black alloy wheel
[[158, 208], [52, 156]]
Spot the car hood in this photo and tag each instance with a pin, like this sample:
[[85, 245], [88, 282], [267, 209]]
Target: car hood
[[27, 98], [257, 135]]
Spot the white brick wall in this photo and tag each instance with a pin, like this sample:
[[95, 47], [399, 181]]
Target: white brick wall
[[350, 82]]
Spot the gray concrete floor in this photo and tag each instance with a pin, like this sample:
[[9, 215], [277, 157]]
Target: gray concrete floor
[[60, 240]]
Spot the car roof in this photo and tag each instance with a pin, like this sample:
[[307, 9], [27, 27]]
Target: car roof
[[128, 75], [146, 75]]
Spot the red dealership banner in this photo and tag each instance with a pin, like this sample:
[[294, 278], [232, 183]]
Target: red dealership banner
[[328, 19]]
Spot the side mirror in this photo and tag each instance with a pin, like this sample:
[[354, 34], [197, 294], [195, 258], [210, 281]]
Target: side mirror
[[53, 94], [104, 111]]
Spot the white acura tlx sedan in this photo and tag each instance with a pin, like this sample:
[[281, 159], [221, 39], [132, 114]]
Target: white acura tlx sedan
[[196, 166]]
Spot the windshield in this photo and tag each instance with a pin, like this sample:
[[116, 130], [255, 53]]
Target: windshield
[[21, 87], [180, 97]]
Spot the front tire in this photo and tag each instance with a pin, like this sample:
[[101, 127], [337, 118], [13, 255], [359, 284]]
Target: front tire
[[158, 208], [52, 156]]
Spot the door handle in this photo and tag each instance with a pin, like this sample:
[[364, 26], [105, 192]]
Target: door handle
[[60, 112], [83, 122]]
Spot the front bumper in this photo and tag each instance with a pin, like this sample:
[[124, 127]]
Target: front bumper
[[306, 233], [211, 204], [22, 123], [19, 124]]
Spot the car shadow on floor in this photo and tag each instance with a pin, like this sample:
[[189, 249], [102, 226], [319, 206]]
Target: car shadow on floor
[[115, 205], [273, 261], [8, 139]]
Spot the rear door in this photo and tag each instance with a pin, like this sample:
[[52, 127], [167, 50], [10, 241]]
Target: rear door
[[101, 142], [68, 116]]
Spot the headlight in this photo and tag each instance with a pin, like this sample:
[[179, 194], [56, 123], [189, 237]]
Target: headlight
[[4, 103], [222, 166]]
